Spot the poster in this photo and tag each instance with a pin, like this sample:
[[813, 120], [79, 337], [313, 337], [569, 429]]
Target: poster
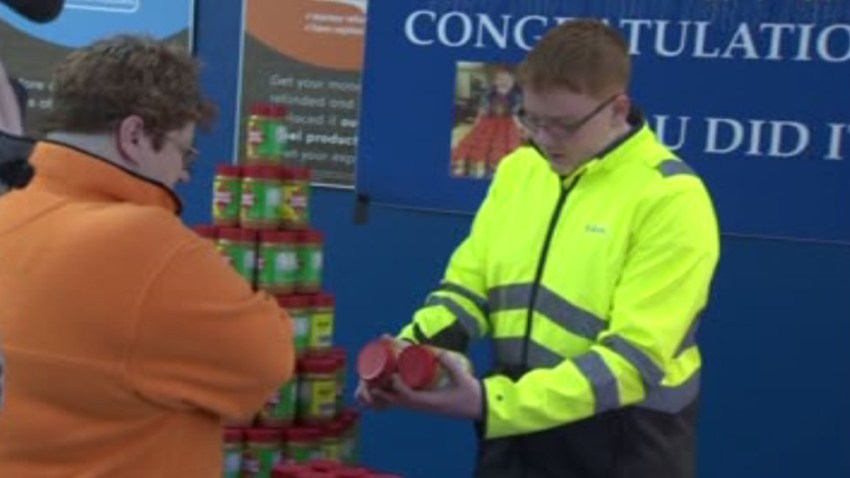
[[753, 95], [306, 55], [30, 51]]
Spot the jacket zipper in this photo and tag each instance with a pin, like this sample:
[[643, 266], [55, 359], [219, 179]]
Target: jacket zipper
[[541, 264]]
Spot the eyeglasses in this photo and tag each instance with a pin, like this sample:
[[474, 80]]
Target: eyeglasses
[[189, 154], [559, 126]]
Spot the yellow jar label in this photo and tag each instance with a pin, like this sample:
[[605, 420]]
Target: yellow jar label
[[321, 335]]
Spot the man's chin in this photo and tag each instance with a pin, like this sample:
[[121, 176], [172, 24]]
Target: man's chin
[[561, 166]]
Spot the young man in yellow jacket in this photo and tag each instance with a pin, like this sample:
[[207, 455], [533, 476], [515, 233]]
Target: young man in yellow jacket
[[588, 265], [128, 339]]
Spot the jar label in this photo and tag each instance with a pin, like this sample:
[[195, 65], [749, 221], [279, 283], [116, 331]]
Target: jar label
[[321, 334], [301, 325], [316, 398]]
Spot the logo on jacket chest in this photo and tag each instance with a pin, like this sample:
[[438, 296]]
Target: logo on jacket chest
[[596, 229]]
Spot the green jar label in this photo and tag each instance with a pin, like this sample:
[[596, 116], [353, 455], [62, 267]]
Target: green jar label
[[280, 408], [332, 449], [310, 265], [301, 322], [316, 398], [321, 334], [241, 257], [303, 453], [347, 450], [278, 266], [259, 461], [232, 461], [227, 199], [273, 139], [260, 202]]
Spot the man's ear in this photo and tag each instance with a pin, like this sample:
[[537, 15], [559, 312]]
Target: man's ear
[[622, 107]]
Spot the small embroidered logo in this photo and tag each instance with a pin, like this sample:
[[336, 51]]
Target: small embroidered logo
[[596, 229]]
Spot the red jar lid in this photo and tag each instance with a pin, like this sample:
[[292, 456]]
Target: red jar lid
[[234, 435], [277, 110], [294, 301], [260, 172], [376, 362], [316, 474], [260, 109], [278, 236], [301, 173], [310, 236], [235, 234], [228, 170], [339, 354], [296, 173], [325, 465], [324, 364], [288, 471], [336, 428], [417, 366], [353, 473], [301, 434], [349, 414], [210, 232], [264, 435], [323, 299]]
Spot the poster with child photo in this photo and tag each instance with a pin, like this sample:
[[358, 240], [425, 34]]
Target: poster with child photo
[[486, 127]]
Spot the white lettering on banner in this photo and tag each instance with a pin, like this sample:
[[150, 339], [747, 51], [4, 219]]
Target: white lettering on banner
[[738, 132], [661, 131], [446, 21], [712, 137], [751, 137], [668, 39], [836, 132], [409, 26]]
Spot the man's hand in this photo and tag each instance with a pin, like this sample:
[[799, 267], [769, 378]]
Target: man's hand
[[461, 399]]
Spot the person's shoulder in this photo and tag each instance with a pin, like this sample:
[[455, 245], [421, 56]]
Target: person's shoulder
[[525, 159], [133, 226]]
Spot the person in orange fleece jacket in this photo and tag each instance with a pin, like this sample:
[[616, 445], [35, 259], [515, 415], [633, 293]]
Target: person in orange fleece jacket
[[128, 339]]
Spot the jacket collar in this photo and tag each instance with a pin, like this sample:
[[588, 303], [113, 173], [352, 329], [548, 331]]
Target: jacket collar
[[64, 169], [622, 150]]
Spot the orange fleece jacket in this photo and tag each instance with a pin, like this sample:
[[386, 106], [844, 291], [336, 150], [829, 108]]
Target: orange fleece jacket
[[128, 339]]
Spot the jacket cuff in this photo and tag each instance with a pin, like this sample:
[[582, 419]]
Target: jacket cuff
[[481, 424]]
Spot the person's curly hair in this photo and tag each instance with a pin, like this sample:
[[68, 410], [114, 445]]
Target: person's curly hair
[[96, 87]]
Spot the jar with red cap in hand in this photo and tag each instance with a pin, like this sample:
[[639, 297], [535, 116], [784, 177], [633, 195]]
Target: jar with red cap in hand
[[459, 396], [376, 365], [420, 368]]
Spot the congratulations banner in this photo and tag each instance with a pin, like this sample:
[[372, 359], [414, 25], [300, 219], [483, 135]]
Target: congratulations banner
[[30, 51], [753, 95]]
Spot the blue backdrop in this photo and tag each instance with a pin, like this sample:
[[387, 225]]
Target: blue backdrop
[[752, 94], [775, 396]]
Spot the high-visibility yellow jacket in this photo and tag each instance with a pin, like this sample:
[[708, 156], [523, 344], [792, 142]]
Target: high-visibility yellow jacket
[[592, 284]]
